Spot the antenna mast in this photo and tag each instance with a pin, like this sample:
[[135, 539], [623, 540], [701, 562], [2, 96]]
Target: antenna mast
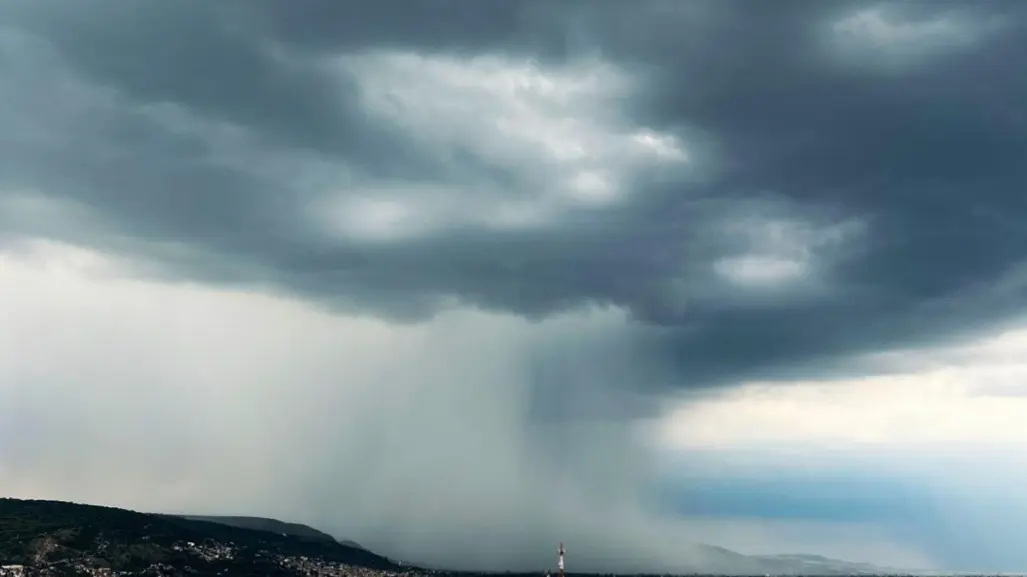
[[559, 559]]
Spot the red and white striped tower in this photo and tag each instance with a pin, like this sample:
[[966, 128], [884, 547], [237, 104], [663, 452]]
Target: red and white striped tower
[[559, 560]]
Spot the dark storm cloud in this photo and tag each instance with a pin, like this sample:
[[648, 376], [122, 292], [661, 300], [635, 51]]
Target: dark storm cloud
[[926, 152]]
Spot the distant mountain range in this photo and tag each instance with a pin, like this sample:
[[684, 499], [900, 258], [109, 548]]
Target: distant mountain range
[[58, 538], [724, 561], [818, 564], [729, 562]]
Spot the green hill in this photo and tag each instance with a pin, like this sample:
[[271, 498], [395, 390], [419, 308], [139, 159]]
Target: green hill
[[74, 539], [264, 524]]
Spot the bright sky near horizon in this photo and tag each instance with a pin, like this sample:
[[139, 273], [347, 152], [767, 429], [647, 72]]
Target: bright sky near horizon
[[443, 278]]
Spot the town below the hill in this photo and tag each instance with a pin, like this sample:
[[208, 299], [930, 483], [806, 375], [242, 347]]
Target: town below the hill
[[58, 539]]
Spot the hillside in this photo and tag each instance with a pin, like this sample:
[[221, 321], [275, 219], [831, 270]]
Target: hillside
[[719, 560], [57, 538], [265, 524], [824, 565], [275, 526], [71, 539]]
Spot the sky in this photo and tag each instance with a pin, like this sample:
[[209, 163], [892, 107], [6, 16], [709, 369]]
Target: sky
[[460, 280]]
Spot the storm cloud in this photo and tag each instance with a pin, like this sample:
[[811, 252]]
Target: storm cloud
[[635, 200]]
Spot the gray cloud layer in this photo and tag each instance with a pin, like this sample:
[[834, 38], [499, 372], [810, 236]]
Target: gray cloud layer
[[854, 175], [921, 157]]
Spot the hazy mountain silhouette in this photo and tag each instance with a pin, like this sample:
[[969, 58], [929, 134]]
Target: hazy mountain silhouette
[[59, 538], [71, 539]]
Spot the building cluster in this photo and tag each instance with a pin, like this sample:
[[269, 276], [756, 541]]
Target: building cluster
[[209, 551], [314, 566], [56, 570]]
